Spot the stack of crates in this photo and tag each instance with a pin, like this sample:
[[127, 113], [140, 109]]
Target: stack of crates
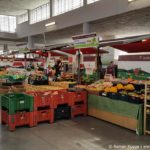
[[61, 105], [42, 109], [17, 110], [78, 103]]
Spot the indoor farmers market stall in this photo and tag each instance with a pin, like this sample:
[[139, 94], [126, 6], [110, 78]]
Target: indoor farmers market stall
[[34, 90]]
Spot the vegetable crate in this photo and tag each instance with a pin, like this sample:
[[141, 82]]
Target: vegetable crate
[[44, 115], [17, 102], [79, 109], [18, 119]]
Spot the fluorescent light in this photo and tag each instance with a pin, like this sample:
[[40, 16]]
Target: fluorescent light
[[50, 24], [131, 0]]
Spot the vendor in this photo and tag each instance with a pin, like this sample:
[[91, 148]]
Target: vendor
[[58, 67], [49, 71], [82, 69], [112, 69]]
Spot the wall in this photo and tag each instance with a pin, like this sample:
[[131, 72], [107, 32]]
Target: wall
[[123, 25], [98, 10], [8, 35], [138, 4], [60, 36]]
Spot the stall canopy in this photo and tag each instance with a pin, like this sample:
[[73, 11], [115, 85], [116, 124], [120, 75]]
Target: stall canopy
[[134, 44], [73, 51], [135, 47]]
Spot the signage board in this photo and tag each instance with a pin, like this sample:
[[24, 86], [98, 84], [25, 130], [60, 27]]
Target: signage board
[[85, 41]]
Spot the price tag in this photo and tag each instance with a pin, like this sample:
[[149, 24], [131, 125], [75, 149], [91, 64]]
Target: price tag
[[21, 102]]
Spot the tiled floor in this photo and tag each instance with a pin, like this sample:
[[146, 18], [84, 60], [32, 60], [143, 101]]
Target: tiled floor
[[83, 133]]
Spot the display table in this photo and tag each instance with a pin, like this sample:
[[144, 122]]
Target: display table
[[122, 113]]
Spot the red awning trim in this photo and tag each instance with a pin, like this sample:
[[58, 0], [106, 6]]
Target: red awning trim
[[136, 47]]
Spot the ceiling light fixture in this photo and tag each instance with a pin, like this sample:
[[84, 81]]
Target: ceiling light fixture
[[50, 24], [130, 1]]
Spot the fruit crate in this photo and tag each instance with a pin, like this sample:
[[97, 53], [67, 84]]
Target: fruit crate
[[114, 96], [135, 100], [18, 119], [17, 102], [44, 115], [79, 109], [62, 112], [123, 97]]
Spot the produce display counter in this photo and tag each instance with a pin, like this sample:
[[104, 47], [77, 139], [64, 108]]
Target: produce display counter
[[121, 113]]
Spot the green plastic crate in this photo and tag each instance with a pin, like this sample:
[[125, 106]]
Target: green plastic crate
[[17, 102]]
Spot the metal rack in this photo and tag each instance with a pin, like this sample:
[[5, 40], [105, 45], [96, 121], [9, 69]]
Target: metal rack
[[147, 109]]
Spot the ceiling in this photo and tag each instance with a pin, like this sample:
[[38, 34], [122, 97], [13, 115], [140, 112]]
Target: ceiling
[[17, 7]]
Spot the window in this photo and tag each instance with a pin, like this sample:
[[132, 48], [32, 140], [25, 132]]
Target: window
[[7, 23], [22, 18], [40, 13], [91, 1], [62, 6]]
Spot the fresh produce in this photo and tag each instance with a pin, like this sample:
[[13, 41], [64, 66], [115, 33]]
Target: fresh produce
[[100, 85], [3, 73], [113, 89], [129, 87], [41, 88], [124, 92], [63, 84], [107, 89], [120, 86]]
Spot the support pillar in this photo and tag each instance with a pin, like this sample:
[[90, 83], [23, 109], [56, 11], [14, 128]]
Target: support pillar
[[51, 8], [86, 27], [30, 44]]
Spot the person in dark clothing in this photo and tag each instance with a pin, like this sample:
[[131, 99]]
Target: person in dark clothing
[[112, 69], [58, 67]]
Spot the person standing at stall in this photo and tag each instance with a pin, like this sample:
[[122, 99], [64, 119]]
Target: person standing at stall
[[58, 67], [112, 69]]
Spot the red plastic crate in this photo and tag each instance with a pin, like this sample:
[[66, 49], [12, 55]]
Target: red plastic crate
[[81, 96], [44, 115], [41, 99], [19, 119], [59, 98], [80, 109], [77, 97]]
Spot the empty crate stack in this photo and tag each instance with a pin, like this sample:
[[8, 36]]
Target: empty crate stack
[[17, 110], [34, 107]]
